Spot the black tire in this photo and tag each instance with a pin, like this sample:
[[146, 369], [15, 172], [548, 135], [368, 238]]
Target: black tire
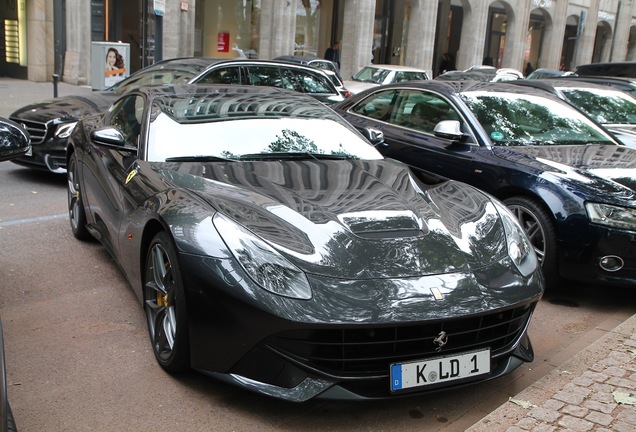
[[11, 427], [164, 303], [538, 225], [76, 211]]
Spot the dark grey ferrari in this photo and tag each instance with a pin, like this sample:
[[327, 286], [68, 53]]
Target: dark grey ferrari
[[274, 248]]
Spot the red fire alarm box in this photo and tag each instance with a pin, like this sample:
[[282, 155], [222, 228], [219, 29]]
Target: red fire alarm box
[[223, 42]]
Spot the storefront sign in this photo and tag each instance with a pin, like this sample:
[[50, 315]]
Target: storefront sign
[[184, 6], [223, 42], [160, 7]]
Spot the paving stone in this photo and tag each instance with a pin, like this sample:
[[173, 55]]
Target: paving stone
[[527, 423], [575, 410], [575, 424], [599, 418], [543, 427], [552, 404], [544, 414], [606, 408]]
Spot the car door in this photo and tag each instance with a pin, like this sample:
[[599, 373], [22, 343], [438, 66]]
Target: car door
[[408, 118], [107, 166]]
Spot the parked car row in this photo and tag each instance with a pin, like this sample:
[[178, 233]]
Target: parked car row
[[570, 183], [389, 243]]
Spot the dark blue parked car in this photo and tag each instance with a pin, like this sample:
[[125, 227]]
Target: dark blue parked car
[[570, 183]]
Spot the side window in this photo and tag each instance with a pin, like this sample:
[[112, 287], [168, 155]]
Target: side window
[[229, 75], [312, 83], [423, 111], [265, 76], [127, 116], [378, 105]]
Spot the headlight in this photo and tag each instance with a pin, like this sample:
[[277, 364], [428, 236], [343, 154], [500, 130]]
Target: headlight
[[520, 249], [64, 130], [264, 264], [612, 216]]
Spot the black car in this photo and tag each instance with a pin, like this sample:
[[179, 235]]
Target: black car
[[615, 69], [613, 109], [274, 248], [571, 184], [51, 122], [14, 142], [326, 66]]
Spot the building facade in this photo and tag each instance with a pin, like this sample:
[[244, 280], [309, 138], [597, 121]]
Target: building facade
[[41, 38]]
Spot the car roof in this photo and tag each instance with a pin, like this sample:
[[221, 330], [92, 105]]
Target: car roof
[[299, 58], [394, 67], [450, 87], [193, 103]]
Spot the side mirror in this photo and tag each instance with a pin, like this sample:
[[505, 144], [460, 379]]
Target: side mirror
[[375, 137], [108, 136], [450, 129], [14, 140]]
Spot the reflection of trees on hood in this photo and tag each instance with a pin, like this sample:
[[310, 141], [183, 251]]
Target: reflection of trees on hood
[[292, 141]]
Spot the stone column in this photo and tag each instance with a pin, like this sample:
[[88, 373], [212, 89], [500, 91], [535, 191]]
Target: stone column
[[474, 28], [178, 30], [552, 43], [421, 35], [585, 48], [78, 42], [357, 36], [278, 28], [516, 33], [622, 30], [39, 40]]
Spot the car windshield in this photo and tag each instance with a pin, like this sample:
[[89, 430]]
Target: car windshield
[[371, 75], [255, 139], [513, 119], [604, 106]]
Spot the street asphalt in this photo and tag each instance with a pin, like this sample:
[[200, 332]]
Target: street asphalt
[[594, 391]]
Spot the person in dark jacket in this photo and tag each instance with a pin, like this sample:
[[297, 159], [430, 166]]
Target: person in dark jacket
[[333, 53]]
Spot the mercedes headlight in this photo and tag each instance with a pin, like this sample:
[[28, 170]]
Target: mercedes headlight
[[263, 263], [64, 130], [520, 249], [611, 216]]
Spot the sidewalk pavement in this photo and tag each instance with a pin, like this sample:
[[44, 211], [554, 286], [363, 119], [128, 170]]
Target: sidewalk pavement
[[594, 391]]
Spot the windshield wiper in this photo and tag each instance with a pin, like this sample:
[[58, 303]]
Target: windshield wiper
[[296, 156], [198, 159]]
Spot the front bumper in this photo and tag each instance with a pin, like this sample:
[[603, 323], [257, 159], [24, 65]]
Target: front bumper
[[295, 349], [583, 262], [49, 155]]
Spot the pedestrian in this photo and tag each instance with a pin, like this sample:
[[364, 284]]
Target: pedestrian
[[529, 69], [445, 65], [333, 53]]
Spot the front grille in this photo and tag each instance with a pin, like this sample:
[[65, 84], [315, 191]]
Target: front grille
[[37, 130], [368, 351]]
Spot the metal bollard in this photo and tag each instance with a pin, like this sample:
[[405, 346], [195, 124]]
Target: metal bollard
[[56, 79]]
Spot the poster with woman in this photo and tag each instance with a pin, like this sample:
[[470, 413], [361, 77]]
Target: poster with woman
[[115, 67]]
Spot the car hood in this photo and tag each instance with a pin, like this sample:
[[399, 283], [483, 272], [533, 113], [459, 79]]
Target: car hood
[[67, 108], [356, 87], [607, 171], [352, 219]]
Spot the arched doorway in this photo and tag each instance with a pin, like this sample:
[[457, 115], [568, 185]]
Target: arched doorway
[[498, 15], [631, 45], [539, 22], [602, 42]]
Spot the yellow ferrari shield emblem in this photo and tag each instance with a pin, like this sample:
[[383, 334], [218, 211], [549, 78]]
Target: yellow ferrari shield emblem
[[131, 175]]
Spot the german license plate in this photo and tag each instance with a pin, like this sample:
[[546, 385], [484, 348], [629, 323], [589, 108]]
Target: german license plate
[[439, 370]]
